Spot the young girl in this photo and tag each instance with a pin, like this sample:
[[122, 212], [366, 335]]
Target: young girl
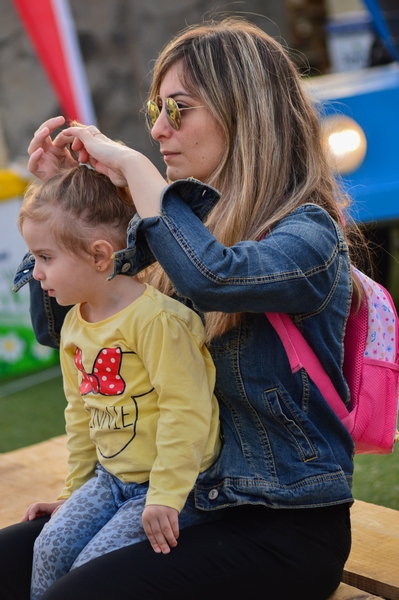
[[137, 377]]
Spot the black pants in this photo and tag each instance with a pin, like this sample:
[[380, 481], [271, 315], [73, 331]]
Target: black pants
[[252, 552]]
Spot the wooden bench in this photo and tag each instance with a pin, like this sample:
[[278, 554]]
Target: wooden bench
[[372, 570]]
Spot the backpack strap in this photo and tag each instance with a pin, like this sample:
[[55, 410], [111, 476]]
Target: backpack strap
[[301, 355]]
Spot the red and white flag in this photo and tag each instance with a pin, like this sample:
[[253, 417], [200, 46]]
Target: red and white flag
[[50, 27]]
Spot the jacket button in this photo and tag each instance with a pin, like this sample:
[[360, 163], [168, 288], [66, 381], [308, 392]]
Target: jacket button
[[125, 268], [213, 494]]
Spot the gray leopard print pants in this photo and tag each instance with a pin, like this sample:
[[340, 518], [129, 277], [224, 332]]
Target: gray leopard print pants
[[101, 516]]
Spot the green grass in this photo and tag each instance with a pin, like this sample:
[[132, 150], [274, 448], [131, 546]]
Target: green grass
[[36, 413], [32, 414], [376, 478]]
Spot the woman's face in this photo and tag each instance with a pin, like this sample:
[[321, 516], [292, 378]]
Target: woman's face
[[196, 148]]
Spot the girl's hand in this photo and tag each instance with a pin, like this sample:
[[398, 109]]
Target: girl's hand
[[48, 157], [161, 525], [40, 509]]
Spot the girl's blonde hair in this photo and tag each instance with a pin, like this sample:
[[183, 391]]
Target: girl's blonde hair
[[274, 161], [80, 205]]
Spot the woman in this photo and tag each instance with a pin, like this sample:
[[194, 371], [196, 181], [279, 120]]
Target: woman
[[227, 108]]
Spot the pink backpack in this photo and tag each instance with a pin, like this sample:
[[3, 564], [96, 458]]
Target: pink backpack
[[371, 368]]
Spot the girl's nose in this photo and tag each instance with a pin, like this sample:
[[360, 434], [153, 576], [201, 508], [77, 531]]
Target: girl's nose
[[37, 273]]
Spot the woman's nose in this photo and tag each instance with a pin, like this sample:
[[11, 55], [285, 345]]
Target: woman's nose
[[162, 128]]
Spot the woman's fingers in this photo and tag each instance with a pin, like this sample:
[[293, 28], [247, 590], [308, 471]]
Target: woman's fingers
[[38, 140], [51, 124], [46, 157], [43, 133], [94, 147], [34, 160], [94, 130]]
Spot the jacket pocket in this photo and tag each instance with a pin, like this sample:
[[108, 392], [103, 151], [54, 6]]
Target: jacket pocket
[[285, 412]]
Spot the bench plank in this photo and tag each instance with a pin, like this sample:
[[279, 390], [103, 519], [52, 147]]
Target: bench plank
[[373, 564], [31, 474], [347, 592]]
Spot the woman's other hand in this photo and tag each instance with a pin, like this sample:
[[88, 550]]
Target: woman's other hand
[[47, 156]]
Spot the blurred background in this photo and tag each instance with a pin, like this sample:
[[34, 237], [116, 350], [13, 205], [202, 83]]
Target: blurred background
[[347, 50]]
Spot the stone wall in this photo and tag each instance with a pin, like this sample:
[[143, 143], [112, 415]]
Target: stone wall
[[119, 40]]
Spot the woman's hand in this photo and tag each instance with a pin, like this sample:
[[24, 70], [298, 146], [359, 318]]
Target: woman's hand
[[41, 509], [47, 156], [123, 165], [96, 149]]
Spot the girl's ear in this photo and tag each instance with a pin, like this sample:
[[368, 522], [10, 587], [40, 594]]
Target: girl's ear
[[101, 252]]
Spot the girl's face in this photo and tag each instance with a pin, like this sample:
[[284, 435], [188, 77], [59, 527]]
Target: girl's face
[[196, 148], [65, 276]]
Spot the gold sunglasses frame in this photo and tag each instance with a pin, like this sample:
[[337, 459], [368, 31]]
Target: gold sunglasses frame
[[173, 112]]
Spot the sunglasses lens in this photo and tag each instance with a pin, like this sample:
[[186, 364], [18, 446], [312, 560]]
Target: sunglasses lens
[[173, 112], [152, 113]]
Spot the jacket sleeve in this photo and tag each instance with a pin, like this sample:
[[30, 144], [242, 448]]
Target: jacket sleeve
[[293, 269], [138, 254]]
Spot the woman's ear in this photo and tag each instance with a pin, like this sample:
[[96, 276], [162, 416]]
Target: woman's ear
[[101, 252]]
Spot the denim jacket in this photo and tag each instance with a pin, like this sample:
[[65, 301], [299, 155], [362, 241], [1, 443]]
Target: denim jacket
[[283, 446]]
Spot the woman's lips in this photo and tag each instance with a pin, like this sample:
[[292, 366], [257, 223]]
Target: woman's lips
[[169, 155]]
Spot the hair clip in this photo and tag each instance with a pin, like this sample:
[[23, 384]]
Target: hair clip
[[87, 166]]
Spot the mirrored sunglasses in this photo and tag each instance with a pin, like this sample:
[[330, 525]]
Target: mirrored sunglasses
[[173, 112]]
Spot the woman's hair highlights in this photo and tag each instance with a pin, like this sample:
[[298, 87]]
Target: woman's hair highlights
[[78, 205], [274, 160]]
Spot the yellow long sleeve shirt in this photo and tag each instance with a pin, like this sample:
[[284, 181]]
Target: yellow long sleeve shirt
[[139, 387]]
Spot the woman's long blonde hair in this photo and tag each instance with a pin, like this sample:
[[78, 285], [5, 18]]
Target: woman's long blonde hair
[[274, 160]]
